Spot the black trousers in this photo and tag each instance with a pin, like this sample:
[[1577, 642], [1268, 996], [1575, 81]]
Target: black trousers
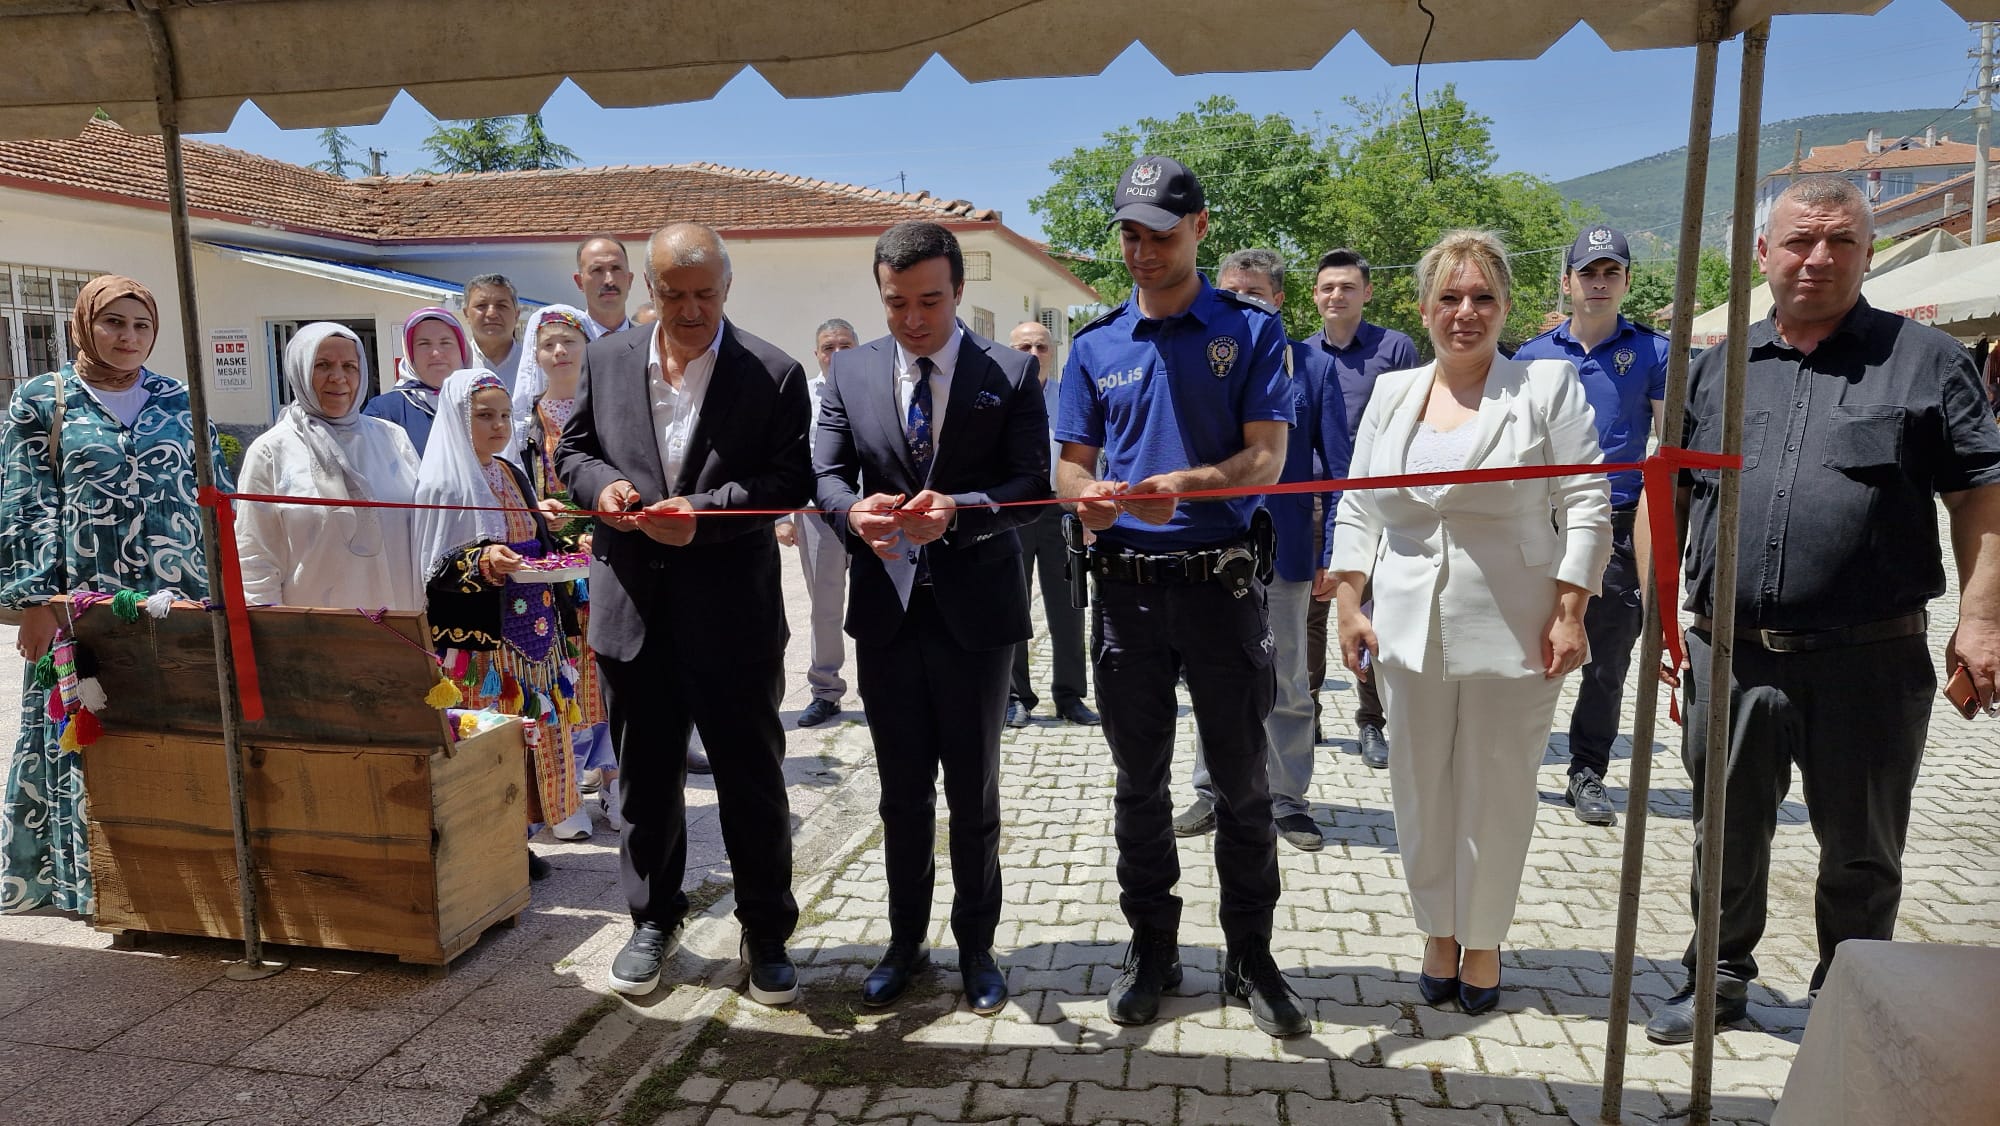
[[1042, 550], [932, 704], [1145, 636], [651, 703], [1854, 721], [1612, 622]]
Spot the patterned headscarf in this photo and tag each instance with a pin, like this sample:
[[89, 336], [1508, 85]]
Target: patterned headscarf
[[452, 478], [406, 370], [530, 381], [91, 301]]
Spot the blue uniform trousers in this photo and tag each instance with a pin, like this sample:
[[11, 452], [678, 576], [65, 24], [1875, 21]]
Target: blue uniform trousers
[[1612, 622]]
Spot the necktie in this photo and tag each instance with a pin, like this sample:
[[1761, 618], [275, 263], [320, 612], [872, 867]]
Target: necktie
[[917, 427], [917, 430]]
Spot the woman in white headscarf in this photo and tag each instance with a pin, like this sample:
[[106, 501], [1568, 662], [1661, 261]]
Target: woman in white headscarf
[[503, 638], [323, 446]]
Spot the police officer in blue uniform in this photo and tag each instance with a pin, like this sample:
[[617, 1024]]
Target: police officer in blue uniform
[[1624, 371], [1181, 388]]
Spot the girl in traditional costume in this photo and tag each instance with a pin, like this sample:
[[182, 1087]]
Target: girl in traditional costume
[[504, 638]]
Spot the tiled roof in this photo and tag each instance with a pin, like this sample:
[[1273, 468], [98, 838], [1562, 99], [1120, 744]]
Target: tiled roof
[[562, 203], [107, 160], [1854, 156]]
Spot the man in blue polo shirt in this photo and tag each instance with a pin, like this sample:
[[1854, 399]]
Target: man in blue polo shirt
[[1624, 371], [1360, 353], [1181, 388], [1319, 448]]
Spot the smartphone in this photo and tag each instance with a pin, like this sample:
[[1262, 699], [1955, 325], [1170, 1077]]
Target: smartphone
[[1962, 694]]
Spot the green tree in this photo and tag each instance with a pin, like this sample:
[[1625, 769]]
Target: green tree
[[1259, 175], [483, 144], [536, 149], [1398, 186], [1653, 287], [340, 149]]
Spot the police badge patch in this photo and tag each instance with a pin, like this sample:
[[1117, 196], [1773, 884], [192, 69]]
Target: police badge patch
[[1222, 355], [1624, 358]]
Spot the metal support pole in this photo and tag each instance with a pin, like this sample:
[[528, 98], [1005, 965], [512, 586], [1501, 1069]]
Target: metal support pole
[[167, 88], [1708, 931], [1701, 121], [1982, 116]]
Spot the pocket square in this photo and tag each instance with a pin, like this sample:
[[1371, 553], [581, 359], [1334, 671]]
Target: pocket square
[[985, 399]]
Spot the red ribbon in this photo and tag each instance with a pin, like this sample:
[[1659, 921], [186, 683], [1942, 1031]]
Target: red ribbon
[[1660, 473], [234, 605]]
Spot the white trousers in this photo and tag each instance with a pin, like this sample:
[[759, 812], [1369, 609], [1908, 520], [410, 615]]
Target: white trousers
[[1463, 777]]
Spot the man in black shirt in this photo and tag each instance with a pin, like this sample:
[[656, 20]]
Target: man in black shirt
[[1854, 419]]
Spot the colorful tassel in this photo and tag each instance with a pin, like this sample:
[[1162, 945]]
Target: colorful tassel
[[492, 687], [159, 602], [126, 605], [444, 694], [90, 694], [55, 707], [67, 740], [574, 714], [45, 672], [86, 728]]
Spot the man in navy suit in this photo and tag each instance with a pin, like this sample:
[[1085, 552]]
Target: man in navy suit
[[687, 619], [922, 434]]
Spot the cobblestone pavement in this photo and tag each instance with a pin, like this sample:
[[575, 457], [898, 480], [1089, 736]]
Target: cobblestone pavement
[[521, 1031]]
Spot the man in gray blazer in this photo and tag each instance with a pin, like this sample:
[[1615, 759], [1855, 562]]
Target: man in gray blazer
[[687, 619], [921, 434]]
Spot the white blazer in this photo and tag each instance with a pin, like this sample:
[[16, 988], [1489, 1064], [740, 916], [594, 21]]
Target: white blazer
[[1481, 562]]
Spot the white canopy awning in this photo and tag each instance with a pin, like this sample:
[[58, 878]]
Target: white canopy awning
[[1958, 292], [309, 63]]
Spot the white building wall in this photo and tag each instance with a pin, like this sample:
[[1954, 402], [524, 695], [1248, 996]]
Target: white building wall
[[783, 287]]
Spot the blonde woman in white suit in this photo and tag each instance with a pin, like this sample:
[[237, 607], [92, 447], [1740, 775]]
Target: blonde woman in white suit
[[1479, 592]]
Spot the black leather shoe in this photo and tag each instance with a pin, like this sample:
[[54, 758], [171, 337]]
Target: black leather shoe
[[1374, 747], [1017, 714], [1152, 966], [1586, 795], [1301, 832], [1079, 713], [1476, 999], [818, 712], [1195, 820], [891, 976], [773, 979], [985, 984], [636, 969], [1436, 990], [1674, 1022], [1249, 972], [539, 867]]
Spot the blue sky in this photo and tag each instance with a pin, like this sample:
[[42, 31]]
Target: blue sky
[[1577, 109]]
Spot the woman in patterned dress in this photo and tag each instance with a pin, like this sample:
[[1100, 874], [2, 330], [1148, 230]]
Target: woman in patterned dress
[[120, 515], [544, 398], [505, 640]]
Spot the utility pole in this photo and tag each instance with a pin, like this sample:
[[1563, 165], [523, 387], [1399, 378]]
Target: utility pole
[[375, 161], [1982, 114], [1798, 153], [903, 182]]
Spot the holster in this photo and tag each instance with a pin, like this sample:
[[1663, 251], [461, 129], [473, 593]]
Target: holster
[[1264, 542], [1076, 561]]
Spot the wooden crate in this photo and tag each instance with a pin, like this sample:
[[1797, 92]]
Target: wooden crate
[[370, 829]]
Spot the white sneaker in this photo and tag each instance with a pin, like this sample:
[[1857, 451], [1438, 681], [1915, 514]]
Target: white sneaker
[[607, 793], [575, 827]]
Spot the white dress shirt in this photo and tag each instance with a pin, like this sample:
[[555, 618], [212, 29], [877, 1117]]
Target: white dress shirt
[[677, 409], [943, 363]]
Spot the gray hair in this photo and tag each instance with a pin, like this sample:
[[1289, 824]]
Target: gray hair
[[835, 324], [1482, 249], [688, 244], [1269, 263], [492, 281], [1827, 191]]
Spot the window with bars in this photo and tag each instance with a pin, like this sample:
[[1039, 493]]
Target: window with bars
[[978, 265], [982, 322]]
